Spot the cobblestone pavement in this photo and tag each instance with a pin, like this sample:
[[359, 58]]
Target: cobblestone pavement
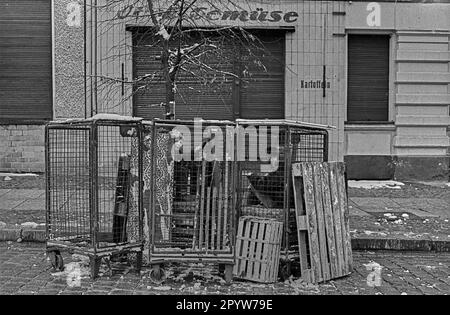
[[25, 270]]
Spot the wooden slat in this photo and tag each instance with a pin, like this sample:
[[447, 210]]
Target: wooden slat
[[251, 251], [197, 210], [202, 204], [302, 224], [335, 202], [320, 222], [213, 218], [208, 220], [258, 251], [329, 221], [272, 252], [239, 243], [219, 217], [266, 250], [345, 214], [225, 207], [277, 248], [312, 222], [247, 230]]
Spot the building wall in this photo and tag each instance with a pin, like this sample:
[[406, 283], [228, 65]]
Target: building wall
[[26, 96], [420, 80], [22, 148], [416, 144], [68, 28], [419, 97], [22, 145], [307, 46]]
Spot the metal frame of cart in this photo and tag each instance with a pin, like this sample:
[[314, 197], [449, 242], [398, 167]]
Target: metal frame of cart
[[192, 214], [94, 183]]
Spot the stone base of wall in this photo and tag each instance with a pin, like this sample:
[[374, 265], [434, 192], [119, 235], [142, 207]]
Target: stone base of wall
[[22, 148], [398, 168], [423, 168]]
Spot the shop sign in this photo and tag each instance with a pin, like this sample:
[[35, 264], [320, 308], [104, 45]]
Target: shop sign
[[216, 15], [314, 84]]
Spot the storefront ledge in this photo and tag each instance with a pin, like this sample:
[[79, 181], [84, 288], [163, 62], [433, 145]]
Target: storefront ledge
[[370, 127]]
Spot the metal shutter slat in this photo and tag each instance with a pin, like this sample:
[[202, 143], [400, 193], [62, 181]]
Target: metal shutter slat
[[25, 60]]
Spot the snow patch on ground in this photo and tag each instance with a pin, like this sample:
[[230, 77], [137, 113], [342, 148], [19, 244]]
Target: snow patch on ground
[[375, 184], [370, 233], [10, 175], [30, 225]]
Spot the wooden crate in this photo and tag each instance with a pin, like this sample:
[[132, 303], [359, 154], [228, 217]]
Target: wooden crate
[[322, 221], [258, 248]]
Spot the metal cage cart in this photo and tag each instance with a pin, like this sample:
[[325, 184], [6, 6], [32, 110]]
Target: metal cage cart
[[264, 180], [94, 179], [192, 213]]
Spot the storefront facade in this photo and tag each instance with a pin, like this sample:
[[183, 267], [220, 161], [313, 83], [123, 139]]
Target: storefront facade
[[377, 71]]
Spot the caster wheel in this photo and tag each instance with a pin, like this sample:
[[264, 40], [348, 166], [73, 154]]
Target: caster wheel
[[157, 275], [56, 260]]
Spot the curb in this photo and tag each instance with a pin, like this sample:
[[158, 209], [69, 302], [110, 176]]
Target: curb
[[22, 235], [420, 245], [39, 236]]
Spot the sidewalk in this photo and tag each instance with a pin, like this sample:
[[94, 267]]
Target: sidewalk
[[415, 217]]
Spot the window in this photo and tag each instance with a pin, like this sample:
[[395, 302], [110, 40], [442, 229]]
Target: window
[[25, 60], [368, 78]]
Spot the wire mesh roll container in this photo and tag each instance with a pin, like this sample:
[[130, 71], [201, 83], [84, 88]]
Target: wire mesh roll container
[[94, 185]]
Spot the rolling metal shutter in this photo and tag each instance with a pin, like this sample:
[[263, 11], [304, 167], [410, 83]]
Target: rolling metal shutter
[[260, 95], [25, 60], [194, 99], [368, 78]]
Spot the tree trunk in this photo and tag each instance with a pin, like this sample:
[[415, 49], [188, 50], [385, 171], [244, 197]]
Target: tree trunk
[[170, 84]]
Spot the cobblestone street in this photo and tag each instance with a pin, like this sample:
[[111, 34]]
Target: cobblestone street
[[24, 270]]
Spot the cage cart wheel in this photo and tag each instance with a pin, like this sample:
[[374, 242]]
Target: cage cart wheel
[[56, 260], [157, 274]]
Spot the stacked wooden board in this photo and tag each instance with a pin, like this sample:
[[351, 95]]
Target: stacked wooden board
[[322, 221]]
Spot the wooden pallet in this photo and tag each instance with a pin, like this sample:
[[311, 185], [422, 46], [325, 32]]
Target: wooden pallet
[[322, 221], [258, 248]]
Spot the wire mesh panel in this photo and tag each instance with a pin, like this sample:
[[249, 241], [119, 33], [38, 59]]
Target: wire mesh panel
[[94, 174], [69, 177], [192, 202], [265, 187]]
